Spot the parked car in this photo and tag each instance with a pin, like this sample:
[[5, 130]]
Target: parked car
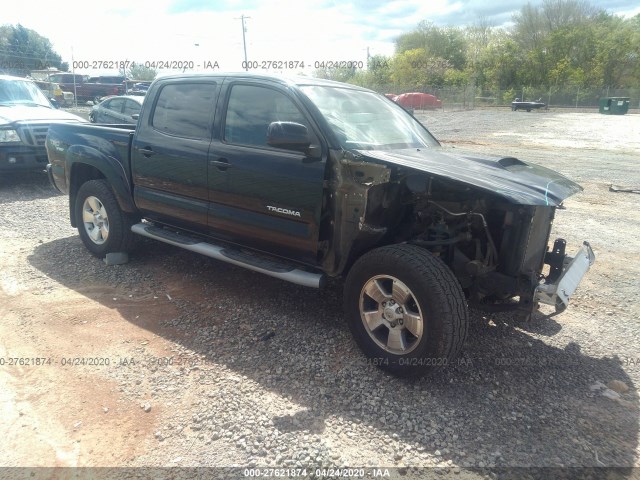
[[90, 88], [53, 90], [117, 109], [517, 104], [418, 101], [25, 116], [68, 79], [69, 82], [137, 88], [304, 179], [111, 79], [391, 96]]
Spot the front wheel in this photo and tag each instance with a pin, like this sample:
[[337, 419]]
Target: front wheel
[[406, 310], [102, 225]]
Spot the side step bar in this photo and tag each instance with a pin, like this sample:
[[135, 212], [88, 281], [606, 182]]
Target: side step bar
[[271, 267]]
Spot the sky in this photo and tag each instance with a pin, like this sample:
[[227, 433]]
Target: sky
[[206, 35]]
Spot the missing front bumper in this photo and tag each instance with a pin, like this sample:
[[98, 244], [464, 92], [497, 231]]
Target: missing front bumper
[[559, 291]]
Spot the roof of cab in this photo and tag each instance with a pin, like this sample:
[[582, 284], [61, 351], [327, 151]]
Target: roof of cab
[[297, 80]]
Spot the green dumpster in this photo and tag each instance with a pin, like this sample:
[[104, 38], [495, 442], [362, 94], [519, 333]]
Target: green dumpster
[[614, 105]]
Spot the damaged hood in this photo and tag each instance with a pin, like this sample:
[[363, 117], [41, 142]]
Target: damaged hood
[[517, 181]]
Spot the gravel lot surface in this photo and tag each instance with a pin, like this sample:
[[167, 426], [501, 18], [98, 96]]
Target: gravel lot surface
[[213, 365]]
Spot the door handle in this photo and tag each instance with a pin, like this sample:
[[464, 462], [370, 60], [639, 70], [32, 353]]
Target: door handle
[[147, 152], [221, 163]]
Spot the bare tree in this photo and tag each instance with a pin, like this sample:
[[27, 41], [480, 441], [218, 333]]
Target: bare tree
[[558, 13]]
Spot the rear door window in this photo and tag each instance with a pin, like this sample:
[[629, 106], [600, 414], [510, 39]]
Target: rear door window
[[185, 109]]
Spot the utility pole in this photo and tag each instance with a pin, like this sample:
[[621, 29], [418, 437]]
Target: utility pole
[[244, 42]]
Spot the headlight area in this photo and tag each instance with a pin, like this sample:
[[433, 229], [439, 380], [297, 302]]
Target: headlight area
[[9, 135], [17, 155]]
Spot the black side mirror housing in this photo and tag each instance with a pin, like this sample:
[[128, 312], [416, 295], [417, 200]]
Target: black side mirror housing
[[288, 135]]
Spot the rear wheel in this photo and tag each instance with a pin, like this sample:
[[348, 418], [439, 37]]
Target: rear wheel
[[406, 310], [102, 225]]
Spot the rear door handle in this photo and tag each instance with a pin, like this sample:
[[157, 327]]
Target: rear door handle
[[147, 152], [221, 163]]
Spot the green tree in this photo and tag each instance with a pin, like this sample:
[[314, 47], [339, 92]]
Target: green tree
[[340, 74], [550, 34], [552, 45], [23, 50], [140, 72], [478, 37], [379, 69], [503, 63], [447, 43], [415, 69], [617, 56]]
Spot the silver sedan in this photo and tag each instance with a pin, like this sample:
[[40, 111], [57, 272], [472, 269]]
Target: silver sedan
[[118, 109]]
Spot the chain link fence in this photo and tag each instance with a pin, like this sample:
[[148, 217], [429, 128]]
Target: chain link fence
[[468, 97]]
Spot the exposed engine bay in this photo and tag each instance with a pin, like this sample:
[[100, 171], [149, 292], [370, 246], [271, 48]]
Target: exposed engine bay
[[496, 248]]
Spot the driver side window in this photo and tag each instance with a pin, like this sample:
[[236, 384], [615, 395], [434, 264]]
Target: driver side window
[[250, 111]]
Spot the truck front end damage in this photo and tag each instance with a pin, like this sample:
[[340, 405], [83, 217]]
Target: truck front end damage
[[495, 240]]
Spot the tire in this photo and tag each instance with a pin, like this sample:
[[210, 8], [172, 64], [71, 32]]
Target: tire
[[102, 225], [423, 324]]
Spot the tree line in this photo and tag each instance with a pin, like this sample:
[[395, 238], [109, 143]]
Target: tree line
[[557, 44], [23, 50]]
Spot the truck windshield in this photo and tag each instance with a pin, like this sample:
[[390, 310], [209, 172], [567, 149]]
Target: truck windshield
[[21, 92], [368, 121]]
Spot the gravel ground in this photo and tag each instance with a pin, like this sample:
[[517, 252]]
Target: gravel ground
[[232, 368]]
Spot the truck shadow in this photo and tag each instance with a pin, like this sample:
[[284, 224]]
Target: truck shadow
[[511, 400]]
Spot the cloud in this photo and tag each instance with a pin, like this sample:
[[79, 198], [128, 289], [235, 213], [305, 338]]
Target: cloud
[[203, 30]]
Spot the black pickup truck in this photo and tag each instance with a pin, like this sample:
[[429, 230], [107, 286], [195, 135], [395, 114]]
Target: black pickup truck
[[304, 179]]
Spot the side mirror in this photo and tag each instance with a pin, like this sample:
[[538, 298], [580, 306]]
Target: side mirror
[[135, 116], [54, 102], [289, 135]]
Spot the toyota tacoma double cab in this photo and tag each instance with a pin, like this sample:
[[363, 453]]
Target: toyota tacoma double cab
[[304, 179]]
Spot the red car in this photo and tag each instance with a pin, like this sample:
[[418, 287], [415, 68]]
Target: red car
[[418, 101]]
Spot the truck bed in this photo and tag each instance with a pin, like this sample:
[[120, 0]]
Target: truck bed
[[111, 143]]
